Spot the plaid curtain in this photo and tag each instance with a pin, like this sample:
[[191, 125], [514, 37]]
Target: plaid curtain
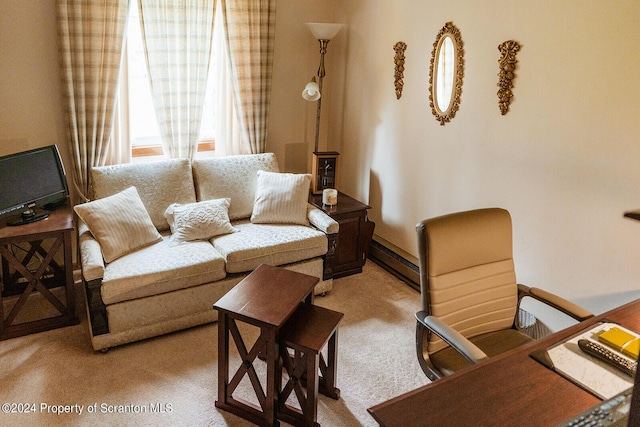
[[91, 43], [250, 30], [178, 37]]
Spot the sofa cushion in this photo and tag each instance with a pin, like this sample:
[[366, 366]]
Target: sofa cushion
[[199, 221], [274, 244], [232, 177], [159, 184], [120, 223], [160, 268], [281, 198], [162, 313]]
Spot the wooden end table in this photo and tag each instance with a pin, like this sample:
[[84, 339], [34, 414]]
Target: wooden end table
[[307, 332], [266, 298], [633, 214], [41, 263], [354, 235]]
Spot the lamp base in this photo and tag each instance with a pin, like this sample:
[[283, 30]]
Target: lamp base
[[325, 171]]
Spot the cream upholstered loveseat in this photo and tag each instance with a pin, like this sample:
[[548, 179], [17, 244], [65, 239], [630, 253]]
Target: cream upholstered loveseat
[[166, 286]]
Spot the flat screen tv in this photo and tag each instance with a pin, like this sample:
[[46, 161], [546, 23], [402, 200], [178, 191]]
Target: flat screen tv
[[31, 181]]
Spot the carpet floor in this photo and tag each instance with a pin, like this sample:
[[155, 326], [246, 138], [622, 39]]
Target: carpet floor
[[55, 378]]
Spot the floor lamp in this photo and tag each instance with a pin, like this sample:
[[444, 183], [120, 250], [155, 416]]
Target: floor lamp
[[325, 164]]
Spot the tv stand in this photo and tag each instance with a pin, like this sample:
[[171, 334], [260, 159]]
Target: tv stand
[[37, 290], [28, 217]]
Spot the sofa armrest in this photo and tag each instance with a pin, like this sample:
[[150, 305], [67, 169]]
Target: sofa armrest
[[321, 220], [92, 274], [90, 254]]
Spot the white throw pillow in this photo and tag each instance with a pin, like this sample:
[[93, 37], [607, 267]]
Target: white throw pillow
[[281, 198], [199, 221], [120, 223]]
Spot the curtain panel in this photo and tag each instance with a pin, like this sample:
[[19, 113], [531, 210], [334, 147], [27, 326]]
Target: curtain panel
[[250, 32], [91, 37], [177, 37]]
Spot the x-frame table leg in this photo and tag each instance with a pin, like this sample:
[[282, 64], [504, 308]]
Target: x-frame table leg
[[34, 279], [247, 367], [267, 398]]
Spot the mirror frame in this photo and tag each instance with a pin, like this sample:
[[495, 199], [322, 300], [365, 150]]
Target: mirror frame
[[451, 31]]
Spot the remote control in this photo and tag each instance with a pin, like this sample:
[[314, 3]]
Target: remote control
[[602, 353]]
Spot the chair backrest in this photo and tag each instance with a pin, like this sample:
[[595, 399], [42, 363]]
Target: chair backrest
[[467, 272]]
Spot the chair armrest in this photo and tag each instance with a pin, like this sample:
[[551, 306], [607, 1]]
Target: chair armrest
[[555, 301], [321, 220], [455, 339], [90, 254]]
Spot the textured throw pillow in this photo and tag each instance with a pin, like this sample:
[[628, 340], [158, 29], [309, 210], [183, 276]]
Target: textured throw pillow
[[120, 223], [199, 221], [281, 198]]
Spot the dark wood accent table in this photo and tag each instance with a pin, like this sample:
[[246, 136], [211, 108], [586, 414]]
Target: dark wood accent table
[[307, 331], [266, 298], [509, 389], [44, 263], [354, 235], [633, 214]]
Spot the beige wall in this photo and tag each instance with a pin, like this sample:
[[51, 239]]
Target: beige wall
[[31, 111], [297, 56], [565, 160]]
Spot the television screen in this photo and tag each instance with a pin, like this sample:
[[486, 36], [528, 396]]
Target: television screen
[[31, 179]]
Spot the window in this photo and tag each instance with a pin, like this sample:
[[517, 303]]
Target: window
[[137, 118]]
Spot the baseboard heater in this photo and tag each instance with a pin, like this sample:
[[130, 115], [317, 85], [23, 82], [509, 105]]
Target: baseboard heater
[[395, 264]]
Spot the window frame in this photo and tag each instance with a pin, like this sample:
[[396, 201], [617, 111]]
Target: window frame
[[205, 145]]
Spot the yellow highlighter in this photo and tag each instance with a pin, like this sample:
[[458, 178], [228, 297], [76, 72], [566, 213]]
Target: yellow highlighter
[[623, 341]]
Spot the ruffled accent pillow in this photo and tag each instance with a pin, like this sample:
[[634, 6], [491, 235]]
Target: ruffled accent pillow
[[120, 223], [199, 221], [281, 198]]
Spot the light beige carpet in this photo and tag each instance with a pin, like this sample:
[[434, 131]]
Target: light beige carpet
[[172, 380]]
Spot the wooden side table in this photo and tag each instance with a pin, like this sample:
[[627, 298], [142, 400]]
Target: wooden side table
[[36, 258], [354, 235], [633, 214], [266, 298], [307, 332]]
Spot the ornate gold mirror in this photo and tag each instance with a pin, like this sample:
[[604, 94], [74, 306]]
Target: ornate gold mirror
[[445, 73]]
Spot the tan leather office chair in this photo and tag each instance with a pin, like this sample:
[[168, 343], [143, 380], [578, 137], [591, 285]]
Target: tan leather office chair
[[470, 298]]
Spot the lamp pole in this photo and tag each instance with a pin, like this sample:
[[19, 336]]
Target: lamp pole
[[321, 74]]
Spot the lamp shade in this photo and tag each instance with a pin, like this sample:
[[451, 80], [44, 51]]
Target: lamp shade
[[322, 31], [311, 91]]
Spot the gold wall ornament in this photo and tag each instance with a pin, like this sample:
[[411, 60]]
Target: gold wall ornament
[[507, 63], [399, 48]]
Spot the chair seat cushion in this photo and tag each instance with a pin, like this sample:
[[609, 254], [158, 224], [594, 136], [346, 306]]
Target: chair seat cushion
[[160, 268], [448, 360], [273, 244]]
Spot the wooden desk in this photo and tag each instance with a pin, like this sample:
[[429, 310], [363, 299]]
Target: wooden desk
[[266, 298], [36, 257], [509, 389], [633, 214]]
